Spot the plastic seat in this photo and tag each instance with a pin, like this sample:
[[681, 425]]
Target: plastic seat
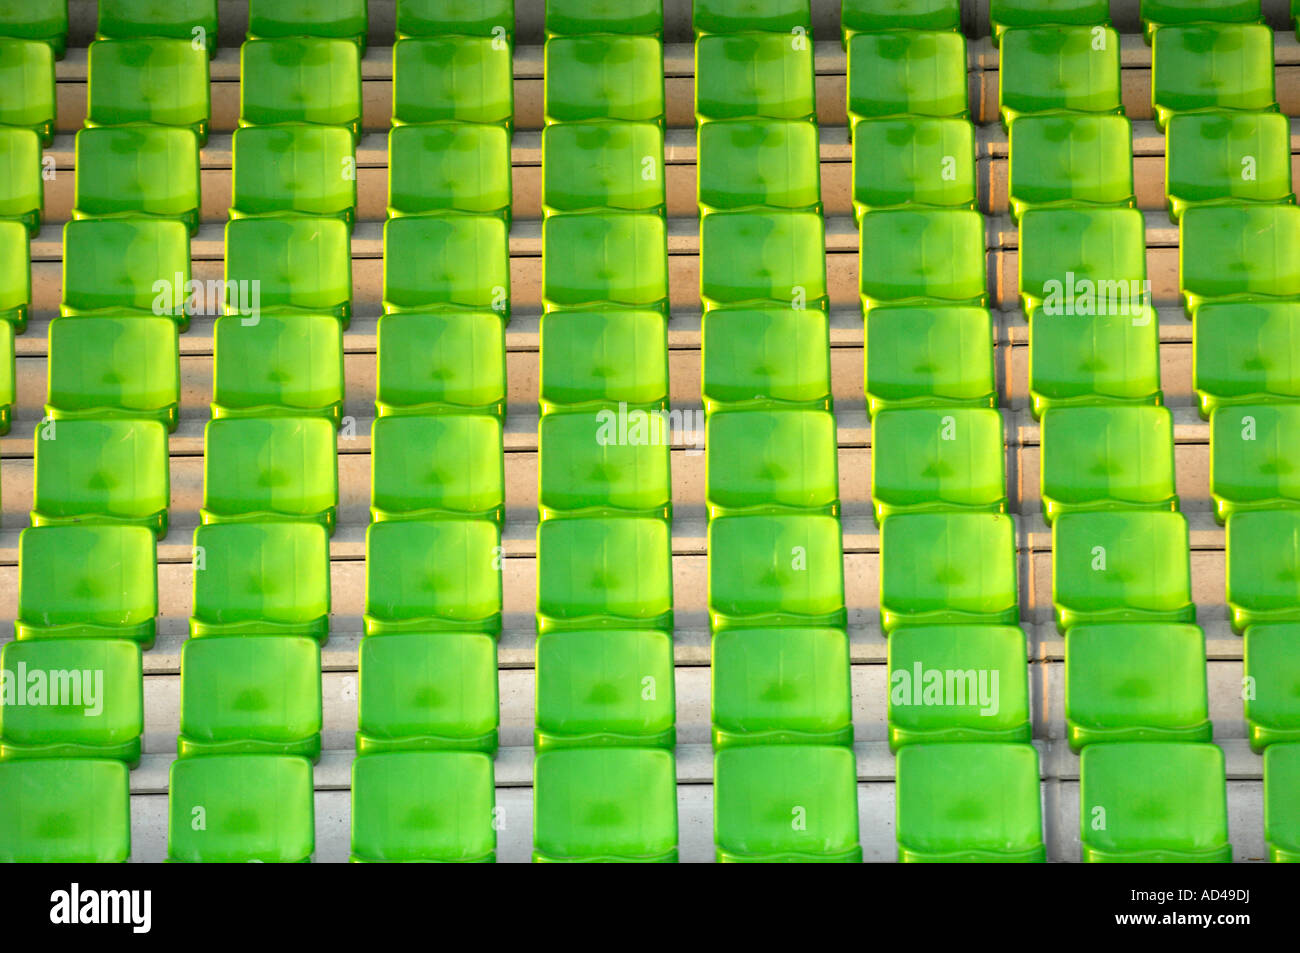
[[8, 373], [1160, 13], [22, 191], [940, 459], [447, 261], [781, 686], [426, 691], [449, 167], [294, 170], [119, 267], [771, 163], [453, 78], [495, 18], [1135, 682], [771, 461], [754, 76], [410, 806], [1009, 14], [1263, 567], [15, 275], [289, 265], [1153, 802], [1084, 262], [300, 79], [433, 576], [1239, 253], [250, 695], [606, 803], [1107, 457], [1071, 69], [772, 357], [770, 571], [902, 163], [254, 808], [86, 581], [1095, 359], [138, 171], [1071, 160], [340, 19], [615, 258], [947, 568], [1219, 66], [786, 804], [604, 77], [45, 21], [616, 166], [735, 16], [610, 687], [604, 573], [929, 357], [64, 811], [113, 367], [1246, 353], [593, 464], [595, 359], [261, 579], [282, 366], [88, 702], [1254, 461], [969, 803], [1272, 667], [194, 20], [441, 465], [1121, 566], [450, 362], [27, 86], [581, 17], [874, 16], [1281, 819], [923, 256], [1227, 158], [159, 81], [755, 258], [908, 73]]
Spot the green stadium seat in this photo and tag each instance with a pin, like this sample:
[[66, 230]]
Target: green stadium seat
[[193, 20], [769, 571], [1107, 457], [614, 258], [605, 687], [433, 576], [437, 466], [1263, 567], [948, 568], [8, 374], [1121, 566], [1254, 459], [1213, 66], [454, 361], [1071, 69], [1239, 253], [1246, 353], [428, 690], [613, 166], [923, 256], [604, 573], [86, 581], [250, 695], [138, 171], [1272, 671], [1153, 802], [755, 258], [771, 461], [926, 460], [423, 806], [1011, 14], [45, 21], [906, 74], [781, 686], [949, 683], [282, 366], [929, 357], [289, 265], [593, 464], [449, 167], [434, 262], [771, 357], [737, 16], [159, 81], [581, 17], [300, 79], [969, 803], [604, 77], [1160, 13], [1135, 682], [1281, 819], [1071, 160], [593, 359], [294, 170], [607, 803], [113, 367], [754, 76], [22, 190], [1094, 359], [241, 808], [64, 811], [27, 86], [102, 471], [15, 275], [903, 163], [874, 16], [338, 19], [72, 698], [786, 804], [261, 579], [1084, 262], [453, 78], [121, 267], [769, 163], [1227, 159], [494, 18]]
